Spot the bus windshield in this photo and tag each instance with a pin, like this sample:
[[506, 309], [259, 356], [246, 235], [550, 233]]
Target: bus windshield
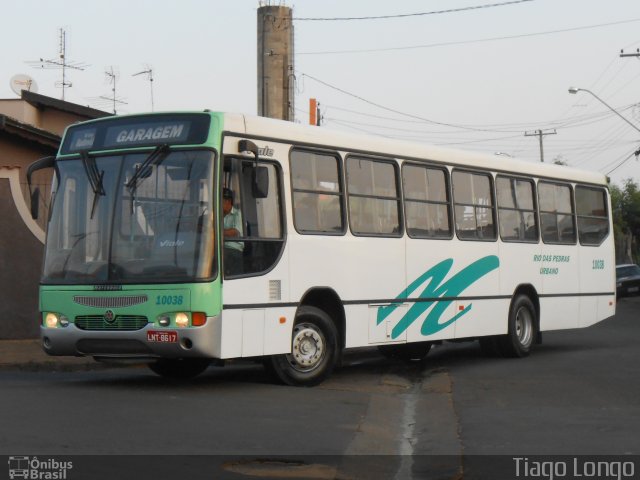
[[126, 219]]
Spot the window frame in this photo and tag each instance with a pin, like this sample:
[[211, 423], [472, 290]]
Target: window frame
[[493, 204], [448, 203], [398, 198], [341, 194], [534, 199], [281, 211], [607, 216], [573, 211]]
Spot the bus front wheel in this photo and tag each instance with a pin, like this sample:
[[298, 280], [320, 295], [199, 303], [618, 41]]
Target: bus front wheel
[[314, 350], [179, 368], [522, 328]]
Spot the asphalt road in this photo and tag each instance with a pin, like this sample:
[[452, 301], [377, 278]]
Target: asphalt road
[[577, 394]]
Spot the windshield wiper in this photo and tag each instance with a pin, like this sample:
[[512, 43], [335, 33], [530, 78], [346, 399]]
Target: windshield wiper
[[144, 170], [95, 178]]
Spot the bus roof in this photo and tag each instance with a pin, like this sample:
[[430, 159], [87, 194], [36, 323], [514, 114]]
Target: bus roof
[[288, 132], [328, 138]]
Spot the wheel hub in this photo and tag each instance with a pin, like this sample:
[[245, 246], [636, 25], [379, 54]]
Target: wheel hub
[[524, 327], [307, 347]]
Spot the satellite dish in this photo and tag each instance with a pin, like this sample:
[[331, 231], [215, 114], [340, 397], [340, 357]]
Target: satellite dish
[[21, 82]]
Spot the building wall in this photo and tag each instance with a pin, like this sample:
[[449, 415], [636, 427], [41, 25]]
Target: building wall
[[20, 263], [51, 120], [22, 238]]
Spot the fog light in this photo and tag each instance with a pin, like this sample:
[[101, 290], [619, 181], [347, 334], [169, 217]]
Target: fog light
[[164, 320], [51, 320], [182, 320]]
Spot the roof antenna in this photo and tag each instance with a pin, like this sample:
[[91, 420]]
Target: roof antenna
[[112, 78], [60, 63]]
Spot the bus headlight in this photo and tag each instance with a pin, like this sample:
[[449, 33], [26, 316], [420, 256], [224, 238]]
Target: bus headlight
[[51, 320], [164, 320], [182, 320]]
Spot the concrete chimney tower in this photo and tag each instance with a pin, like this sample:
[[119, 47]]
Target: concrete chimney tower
[[275, 62]]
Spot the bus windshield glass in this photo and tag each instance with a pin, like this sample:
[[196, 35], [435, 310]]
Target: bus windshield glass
[[149, 220]]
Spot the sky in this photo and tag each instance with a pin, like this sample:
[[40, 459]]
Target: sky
[[473, 78]]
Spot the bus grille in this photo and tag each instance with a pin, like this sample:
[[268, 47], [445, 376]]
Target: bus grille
[[110, 302], [120, 323]]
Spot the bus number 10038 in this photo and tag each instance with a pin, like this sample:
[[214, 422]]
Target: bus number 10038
[[169, 299]]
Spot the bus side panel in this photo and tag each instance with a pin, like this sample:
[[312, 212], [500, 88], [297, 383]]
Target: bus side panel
[[559, 267], [426, 259], [278, 325], [519, 265], [228, 333], [364, 272], [476, 268], [596, 278]]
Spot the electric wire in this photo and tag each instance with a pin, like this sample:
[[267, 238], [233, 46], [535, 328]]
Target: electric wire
[[405, 15], [466, 42]]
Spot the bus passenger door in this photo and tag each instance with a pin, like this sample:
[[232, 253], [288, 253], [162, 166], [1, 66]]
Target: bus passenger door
[[254, 268]]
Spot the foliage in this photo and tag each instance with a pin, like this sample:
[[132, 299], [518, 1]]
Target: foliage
[[626, 213]]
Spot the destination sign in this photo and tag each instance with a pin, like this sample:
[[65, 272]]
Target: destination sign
[[146, 133], [149, 130]]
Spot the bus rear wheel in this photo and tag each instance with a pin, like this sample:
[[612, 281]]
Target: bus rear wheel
[[179, 368], [522, 329], [314, 350]]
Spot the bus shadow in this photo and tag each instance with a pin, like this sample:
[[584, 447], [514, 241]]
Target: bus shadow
[[364, 366]]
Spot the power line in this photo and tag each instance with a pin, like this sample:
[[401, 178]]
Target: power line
[[466, 42], [385, 17], [635, 152], [409, 115]]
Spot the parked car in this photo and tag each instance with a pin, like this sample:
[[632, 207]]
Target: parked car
[[627, 280]]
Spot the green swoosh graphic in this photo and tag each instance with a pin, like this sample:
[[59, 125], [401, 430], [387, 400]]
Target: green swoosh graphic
[[436, 288]]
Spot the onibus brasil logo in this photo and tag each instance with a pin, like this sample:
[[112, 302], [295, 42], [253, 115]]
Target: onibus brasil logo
[[38, 469], [434, 287]]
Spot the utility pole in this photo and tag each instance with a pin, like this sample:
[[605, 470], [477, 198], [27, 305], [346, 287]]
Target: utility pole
[[275, 62], [540, 134]]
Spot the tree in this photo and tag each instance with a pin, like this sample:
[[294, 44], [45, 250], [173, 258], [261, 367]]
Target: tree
[[625, 203]]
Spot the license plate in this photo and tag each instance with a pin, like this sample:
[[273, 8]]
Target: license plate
[[633, 289], [163, 337]]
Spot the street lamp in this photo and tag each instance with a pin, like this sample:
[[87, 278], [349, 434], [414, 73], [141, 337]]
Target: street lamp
[[575, 90]]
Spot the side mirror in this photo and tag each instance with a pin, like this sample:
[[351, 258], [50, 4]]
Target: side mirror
[[260, 175], [47, 162], [260, 182], [35, 203]]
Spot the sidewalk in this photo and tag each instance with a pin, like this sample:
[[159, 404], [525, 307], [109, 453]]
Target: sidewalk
[[28, 355]]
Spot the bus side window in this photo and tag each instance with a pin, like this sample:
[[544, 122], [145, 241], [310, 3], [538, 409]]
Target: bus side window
[[556, 213], [474, 208], [426, 199], [593, 219], [374, 199], [516, 210], [318, 193]]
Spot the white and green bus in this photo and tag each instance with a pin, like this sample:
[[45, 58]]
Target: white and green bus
[[185, 238]]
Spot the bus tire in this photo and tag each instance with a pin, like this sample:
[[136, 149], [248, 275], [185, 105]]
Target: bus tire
[[408, 352], [179, 368], [314, 350], [522, 330]]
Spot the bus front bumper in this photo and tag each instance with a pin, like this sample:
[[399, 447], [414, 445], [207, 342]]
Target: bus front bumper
[[150, 342]]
